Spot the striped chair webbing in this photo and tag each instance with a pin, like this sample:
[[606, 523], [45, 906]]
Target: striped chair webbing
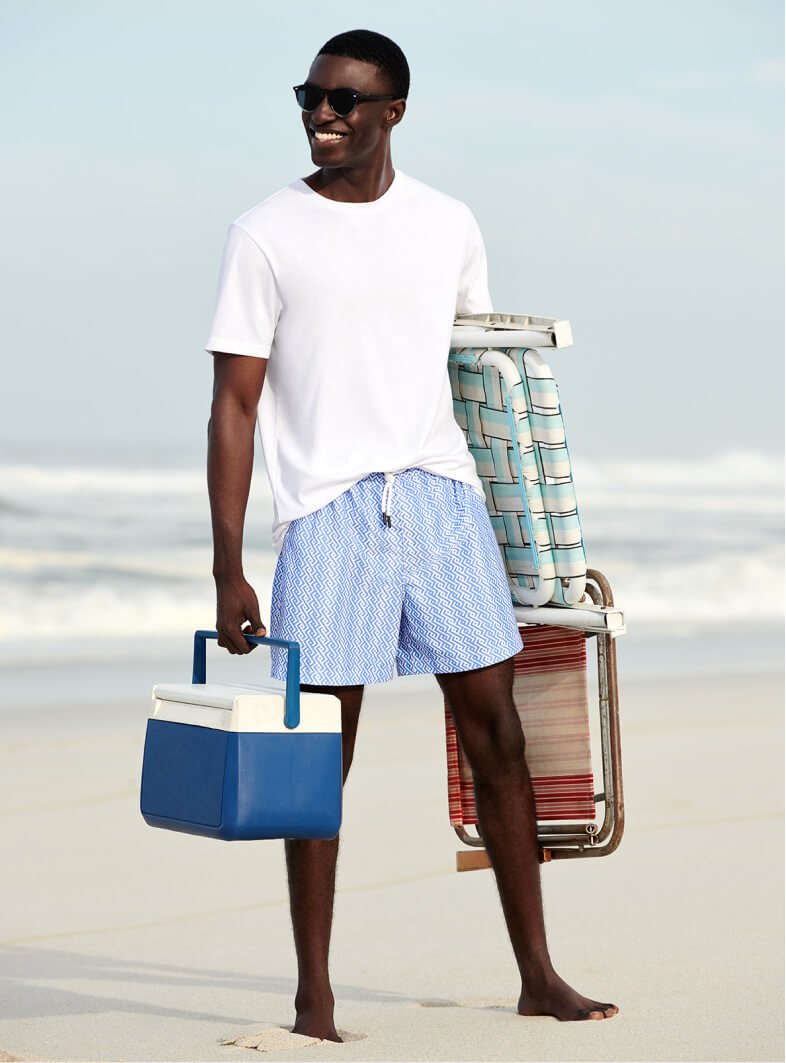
[[549, 508], [550, 694]]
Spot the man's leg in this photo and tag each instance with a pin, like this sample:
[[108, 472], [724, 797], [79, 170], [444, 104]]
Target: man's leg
[[490, 732], [311, 868]]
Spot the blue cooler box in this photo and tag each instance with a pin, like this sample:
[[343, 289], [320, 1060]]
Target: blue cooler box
[[243, 762]]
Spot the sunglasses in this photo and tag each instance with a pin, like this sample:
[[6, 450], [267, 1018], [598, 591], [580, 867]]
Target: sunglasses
[[342, 102]]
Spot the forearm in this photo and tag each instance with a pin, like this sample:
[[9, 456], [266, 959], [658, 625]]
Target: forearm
[[230, 460]]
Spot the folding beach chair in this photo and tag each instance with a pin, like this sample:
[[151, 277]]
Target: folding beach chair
[[506, 401]]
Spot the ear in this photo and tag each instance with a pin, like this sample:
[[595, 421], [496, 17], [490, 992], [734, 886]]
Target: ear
[[395, 113]]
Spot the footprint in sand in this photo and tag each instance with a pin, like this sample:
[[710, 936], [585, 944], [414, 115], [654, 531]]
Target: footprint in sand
[[280, 1039]]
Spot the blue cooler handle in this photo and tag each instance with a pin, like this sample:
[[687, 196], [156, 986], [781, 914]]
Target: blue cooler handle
[[292, 693]]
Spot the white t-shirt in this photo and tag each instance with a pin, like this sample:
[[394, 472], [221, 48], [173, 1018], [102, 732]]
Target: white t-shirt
[[353, 304]]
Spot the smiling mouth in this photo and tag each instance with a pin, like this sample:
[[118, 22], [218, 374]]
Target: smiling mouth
[[327, 137]]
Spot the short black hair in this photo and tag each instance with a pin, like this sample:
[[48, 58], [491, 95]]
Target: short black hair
[[374, 48]]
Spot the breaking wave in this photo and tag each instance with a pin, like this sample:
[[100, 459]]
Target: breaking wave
[[109, 552]]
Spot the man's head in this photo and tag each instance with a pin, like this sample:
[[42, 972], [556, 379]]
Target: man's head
[[374, 48], [371, 65]]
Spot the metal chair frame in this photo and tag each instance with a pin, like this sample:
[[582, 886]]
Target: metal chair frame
[[480, 338], [572, 840]]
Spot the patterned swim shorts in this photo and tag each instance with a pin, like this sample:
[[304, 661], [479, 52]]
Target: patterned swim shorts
[[401, 574]]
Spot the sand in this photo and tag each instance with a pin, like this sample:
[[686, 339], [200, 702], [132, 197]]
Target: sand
[[120, 942]]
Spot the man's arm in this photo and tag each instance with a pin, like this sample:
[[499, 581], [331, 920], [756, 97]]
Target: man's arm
[[237, 386]]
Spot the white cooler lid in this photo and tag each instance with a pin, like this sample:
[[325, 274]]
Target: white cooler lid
[[230, 707], [219, 695]]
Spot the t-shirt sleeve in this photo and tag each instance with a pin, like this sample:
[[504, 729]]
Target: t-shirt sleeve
[[473, 288], [248, 303]]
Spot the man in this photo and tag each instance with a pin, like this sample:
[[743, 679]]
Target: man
[[338, 294]]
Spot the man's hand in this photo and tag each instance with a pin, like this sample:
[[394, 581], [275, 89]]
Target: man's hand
[[237, 616]]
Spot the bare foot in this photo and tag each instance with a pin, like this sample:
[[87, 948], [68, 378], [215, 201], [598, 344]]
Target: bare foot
[[315, 1019], [556, 998]]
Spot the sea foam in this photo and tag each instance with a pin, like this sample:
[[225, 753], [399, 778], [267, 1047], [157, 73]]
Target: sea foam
[[104, 553]]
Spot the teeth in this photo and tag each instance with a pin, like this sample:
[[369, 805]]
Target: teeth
[[328, 136]]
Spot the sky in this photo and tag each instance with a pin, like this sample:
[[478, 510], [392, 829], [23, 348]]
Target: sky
[[624, 161]]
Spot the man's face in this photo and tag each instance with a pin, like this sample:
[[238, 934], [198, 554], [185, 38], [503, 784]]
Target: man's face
[[363, 135]]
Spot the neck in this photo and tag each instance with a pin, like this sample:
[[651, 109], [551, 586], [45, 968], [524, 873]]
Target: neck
[[353, 184]]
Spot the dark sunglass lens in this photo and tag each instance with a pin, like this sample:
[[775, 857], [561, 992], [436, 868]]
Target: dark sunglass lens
[[342, 101], [308, 97]]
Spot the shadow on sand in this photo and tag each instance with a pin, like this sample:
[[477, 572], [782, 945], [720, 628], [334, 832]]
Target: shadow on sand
[[27, 990]]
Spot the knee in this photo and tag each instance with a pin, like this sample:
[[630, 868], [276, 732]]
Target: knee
[[347, 754], [351, 698], [349, 733]]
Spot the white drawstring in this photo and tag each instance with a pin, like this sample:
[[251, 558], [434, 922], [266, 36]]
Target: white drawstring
[[387, 499]]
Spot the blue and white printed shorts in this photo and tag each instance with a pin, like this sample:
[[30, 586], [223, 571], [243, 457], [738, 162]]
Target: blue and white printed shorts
[[402, 569]]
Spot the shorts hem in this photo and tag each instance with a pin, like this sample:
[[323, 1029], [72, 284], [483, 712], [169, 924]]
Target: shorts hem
[[332, 681], [468, 665]]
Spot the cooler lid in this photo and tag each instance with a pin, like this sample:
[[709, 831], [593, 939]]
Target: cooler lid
[[229, 707], [218, 695]]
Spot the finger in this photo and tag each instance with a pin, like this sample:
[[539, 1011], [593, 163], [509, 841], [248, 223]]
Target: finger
[[253, 628], [222, 642], [244, 645], [234, 640]]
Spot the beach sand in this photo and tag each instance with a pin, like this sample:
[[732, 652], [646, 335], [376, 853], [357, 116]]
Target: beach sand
[[120, 942]]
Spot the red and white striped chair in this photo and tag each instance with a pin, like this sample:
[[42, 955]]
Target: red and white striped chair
[[550, 685], [550, 691]]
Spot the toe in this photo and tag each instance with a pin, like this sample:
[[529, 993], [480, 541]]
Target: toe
[[599, 1011]]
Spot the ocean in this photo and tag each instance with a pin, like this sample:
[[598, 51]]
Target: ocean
[[108, 560]]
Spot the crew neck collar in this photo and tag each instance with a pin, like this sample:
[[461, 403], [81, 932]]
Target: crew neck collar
[[334, 204]]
